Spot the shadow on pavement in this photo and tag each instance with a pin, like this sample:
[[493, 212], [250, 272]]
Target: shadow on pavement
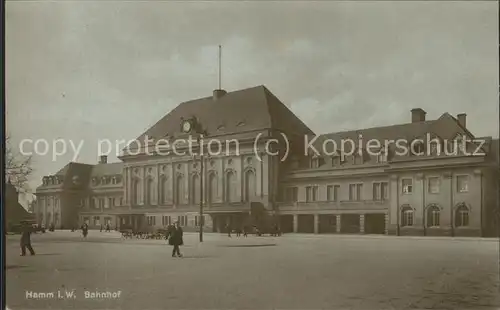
[[246, 245], [14, 267]]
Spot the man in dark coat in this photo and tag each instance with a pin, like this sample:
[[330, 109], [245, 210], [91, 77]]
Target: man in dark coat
[[175, 239], [26, 240], [85, 230]]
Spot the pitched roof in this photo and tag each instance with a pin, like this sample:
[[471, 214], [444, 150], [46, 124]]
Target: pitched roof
[[77, 175], [243, 110], [107, 169]]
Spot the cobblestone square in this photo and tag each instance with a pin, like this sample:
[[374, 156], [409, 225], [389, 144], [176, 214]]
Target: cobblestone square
[[288, 272]]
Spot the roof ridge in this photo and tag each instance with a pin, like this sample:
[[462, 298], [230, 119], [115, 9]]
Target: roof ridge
[[378, 127]]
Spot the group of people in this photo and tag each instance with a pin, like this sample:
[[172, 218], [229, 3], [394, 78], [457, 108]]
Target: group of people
[[108, 228], [246, 229]]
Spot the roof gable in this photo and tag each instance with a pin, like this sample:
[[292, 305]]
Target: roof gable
[[245, 110]]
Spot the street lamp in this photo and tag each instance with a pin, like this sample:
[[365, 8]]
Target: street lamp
[[200, 146], [193, 126]]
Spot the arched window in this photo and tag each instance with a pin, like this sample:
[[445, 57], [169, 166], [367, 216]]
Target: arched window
[[136, 192], [433, 216], [212, 187], [164, 189], [462, 216], [406, 216], [179, 193], [249, 185], [195, 189], [149, 191], [230, 186]]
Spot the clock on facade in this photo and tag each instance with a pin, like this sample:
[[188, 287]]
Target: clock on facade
[[186, 126]]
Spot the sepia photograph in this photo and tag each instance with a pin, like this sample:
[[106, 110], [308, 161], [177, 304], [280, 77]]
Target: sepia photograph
[[251, 155]]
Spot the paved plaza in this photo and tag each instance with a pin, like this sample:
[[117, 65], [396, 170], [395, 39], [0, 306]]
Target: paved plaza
[[288, 272]]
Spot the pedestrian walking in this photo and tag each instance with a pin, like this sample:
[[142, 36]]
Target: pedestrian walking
[[175, 239], [26, 240], [85, 230], [245, 231], [108, 229], [228, 227]]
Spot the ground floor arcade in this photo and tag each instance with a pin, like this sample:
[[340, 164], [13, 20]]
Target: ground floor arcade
[[375, 223]]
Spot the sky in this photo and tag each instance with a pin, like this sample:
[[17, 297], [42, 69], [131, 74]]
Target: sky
[[90, 70]]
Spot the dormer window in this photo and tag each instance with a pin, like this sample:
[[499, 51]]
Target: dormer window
[[336, 161], [382, 156], [357, 159], [459, 145], [315, 162], [417, 148], [435, 149]]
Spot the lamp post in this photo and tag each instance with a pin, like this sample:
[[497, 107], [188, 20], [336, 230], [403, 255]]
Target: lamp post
[[201, 220]]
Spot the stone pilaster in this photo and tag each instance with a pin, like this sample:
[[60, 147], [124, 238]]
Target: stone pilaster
[[338, 224], [316, 223], [362, 223], [386, 225], [295, 223]]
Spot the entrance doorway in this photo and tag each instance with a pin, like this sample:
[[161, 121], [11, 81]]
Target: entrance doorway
[[306, 223], [375, 224], [286, 223], [350, 224]]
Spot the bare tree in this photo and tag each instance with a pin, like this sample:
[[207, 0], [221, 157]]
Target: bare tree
[[17, 167]]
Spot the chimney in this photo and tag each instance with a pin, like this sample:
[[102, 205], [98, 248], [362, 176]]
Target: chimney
[[103, 159], [218, 93], [462, 119], [417, 115]]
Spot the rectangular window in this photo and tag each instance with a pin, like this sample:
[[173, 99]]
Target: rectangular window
[[385, 190], [359, 191], [377, 192], [166, 220], [329, 193], [308, 193], [352, 192], [182, 220], [355, 192], [197, 220], [463, 183], [97, 221], [102, 203], [407, 186], [110, 202], [380, 191], [433, 185], [291, 194], [151, 220]]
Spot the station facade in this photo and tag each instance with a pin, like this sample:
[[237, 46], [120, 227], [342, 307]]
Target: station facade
[[272, 169]]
